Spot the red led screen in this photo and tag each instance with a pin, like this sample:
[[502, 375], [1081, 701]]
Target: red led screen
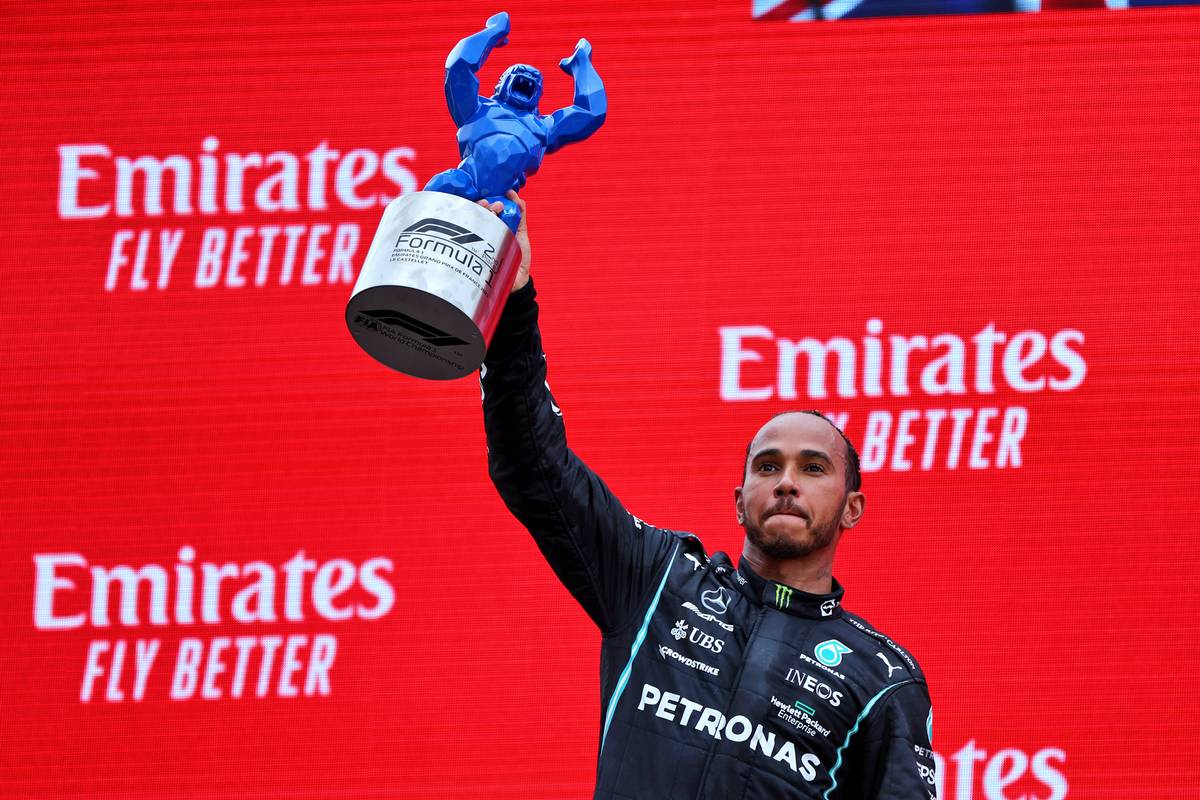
[[242, 559]]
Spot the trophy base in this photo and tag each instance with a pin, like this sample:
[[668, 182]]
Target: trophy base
[[430, 338], [433, 285]]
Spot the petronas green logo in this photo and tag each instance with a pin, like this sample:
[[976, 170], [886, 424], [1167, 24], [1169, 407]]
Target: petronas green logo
[[783, 595], [830, 652]]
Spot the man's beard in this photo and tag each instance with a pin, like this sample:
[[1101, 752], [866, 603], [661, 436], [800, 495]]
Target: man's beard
[[820, 536]]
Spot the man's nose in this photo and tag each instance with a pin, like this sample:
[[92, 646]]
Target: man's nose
[[787, 484]]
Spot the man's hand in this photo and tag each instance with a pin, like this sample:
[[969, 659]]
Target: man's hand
[[522, 236]]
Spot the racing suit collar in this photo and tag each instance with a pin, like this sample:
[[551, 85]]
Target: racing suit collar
[[789, 599]]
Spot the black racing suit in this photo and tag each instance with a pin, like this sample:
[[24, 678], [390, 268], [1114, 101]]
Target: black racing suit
[[716, 683]]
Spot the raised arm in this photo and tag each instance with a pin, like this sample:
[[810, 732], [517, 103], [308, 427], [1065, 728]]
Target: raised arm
[[580, 120], [467, 58], [609, 560]]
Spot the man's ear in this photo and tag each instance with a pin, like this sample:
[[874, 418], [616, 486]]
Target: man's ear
[[739, 505], [856, 504]]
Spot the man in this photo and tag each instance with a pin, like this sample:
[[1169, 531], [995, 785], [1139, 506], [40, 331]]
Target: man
[[718, 681]]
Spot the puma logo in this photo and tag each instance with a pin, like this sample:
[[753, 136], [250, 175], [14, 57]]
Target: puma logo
[[890, 668]]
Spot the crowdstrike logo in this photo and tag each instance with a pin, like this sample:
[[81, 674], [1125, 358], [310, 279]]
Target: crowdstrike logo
[[830, 652], [828, 607], [667, 652]]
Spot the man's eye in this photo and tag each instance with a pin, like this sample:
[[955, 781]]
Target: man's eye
[[816, 467], [766, 467]]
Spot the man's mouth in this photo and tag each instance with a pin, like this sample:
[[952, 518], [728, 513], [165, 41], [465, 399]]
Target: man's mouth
[[790, 511]]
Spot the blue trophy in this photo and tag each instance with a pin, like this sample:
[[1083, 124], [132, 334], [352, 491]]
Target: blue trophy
[[439, 269]]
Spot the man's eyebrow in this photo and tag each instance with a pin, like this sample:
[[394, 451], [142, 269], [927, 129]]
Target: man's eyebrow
[[775, 452]]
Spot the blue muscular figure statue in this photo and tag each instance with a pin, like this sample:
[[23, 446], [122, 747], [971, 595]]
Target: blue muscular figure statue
[[503, 138]]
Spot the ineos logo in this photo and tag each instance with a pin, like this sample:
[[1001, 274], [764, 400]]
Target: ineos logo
[[809, 683], [716, 600]]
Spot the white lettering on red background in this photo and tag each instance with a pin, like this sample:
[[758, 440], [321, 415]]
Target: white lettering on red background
[[947, 365], [72, 593], [1000, 775], [95, 183], [208, 183], [935, 366]]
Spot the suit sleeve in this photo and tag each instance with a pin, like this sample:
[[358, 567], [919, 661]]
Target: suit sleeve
[[894, 758], [606, 558]]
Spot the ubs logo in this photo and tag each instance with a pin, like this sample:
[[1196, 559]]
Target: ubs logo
[[697, 636]]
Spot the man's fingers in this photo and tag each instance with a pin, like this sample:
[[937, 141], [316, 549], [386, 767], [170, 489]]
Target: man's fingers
[[511, 194]]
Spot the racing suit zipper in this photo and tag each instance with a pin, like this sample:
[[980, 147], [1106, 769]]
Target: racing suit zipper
[[737, 683]]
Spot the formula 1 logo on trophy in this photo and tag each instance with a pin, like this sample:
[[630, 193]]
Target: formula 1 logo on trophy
[[440, 266]]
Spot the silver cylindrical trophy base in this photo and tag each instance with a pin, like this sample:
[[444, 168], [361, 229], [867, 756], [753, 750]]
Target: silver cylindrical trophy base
[[433, 285]]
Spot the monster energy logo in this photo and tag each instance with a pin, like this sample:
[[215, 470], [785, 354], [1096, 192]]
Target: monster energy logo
[[783, 595]]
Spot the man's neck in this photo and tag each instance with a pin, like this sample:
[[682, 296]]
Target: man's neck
[[812, 573]]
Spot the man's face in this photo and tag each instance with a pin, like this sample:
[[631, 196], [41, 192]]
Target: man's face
[[793, 499]]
